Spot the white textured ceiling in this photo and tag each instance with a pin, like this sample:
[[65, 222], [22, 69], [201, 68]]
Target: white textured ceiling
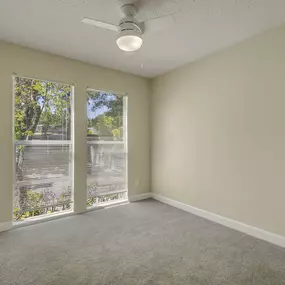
[[202, 27]]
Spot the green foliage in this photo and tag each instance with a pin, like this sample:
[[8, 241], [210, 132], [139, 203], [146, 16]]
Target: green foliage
[[35, 200], [117, 133], [36, 205], [111, 102], [103, 198], [111, 122], [39, 102], [103, 125]]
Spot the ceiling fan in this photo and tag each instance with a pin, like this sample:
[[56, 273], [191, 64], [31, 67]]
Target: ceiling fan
[[130, 31]]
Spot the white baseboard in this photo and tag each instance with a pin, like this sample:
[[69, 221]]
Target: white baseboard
[[244, 228], [140, 197], [5, 226]]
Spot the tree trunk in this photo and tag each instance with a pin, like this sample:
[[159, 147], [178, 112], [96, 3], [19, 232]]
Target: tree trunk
[[23, 190]]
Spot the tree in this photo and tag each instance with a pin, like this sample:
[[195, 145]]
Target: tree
[[106, 123], [35, 99], [110, 123], [111, 102]]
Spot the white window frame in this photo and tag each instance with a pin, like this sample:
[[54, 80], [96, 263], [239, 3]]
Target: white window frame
[[44, 217], [125, 142]]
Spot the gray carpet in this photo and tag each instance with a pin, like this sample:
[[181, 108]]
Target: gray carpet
[[139, 243]]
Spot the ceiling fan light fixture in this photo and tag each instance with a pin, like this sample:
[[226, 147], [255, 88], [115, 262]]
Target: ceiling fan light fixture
[[129, 41]]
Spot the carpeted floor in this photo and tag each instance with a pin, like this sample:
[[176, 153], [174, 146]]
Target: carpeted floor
[[140, 243]]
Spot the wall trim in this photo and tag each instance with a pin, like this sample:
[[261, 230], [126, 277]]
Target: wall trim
[[140, 197], [241, 227], [5, 226]]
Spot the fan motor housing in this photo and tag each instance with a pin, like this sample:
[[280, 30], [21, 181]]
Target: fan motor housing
[[130, 24]]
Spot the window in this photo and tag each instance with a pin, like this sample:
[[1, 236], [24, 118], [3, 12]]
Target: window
[[43, 148], [107, 147]]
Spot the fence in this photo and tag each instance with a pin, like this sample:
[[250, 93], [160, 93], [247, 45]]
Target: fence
[[44, 175]]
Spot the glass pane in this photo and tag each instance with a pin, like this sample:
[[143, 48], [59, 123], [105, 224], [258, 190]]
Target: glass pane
[[43, 148], [107, 149]]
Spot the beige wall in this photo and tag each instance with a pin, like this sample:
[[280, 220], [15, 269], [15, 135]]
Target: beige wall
[[218, 133], [27, 62], [218, 128]]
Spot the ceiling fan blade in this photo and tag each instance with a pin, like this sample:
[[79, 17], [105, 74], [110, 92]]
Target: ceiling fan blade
[[157, 24], [100, 24]]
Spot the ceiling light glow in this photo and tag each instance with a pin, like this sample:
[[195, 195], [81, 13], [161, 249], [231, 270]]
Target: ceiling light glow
[[129, 41]]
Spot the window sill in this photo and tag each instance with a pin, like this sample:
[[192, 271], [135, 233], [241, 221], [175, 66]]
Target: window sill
[[107, 205], [42, 218], [51, 217]]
